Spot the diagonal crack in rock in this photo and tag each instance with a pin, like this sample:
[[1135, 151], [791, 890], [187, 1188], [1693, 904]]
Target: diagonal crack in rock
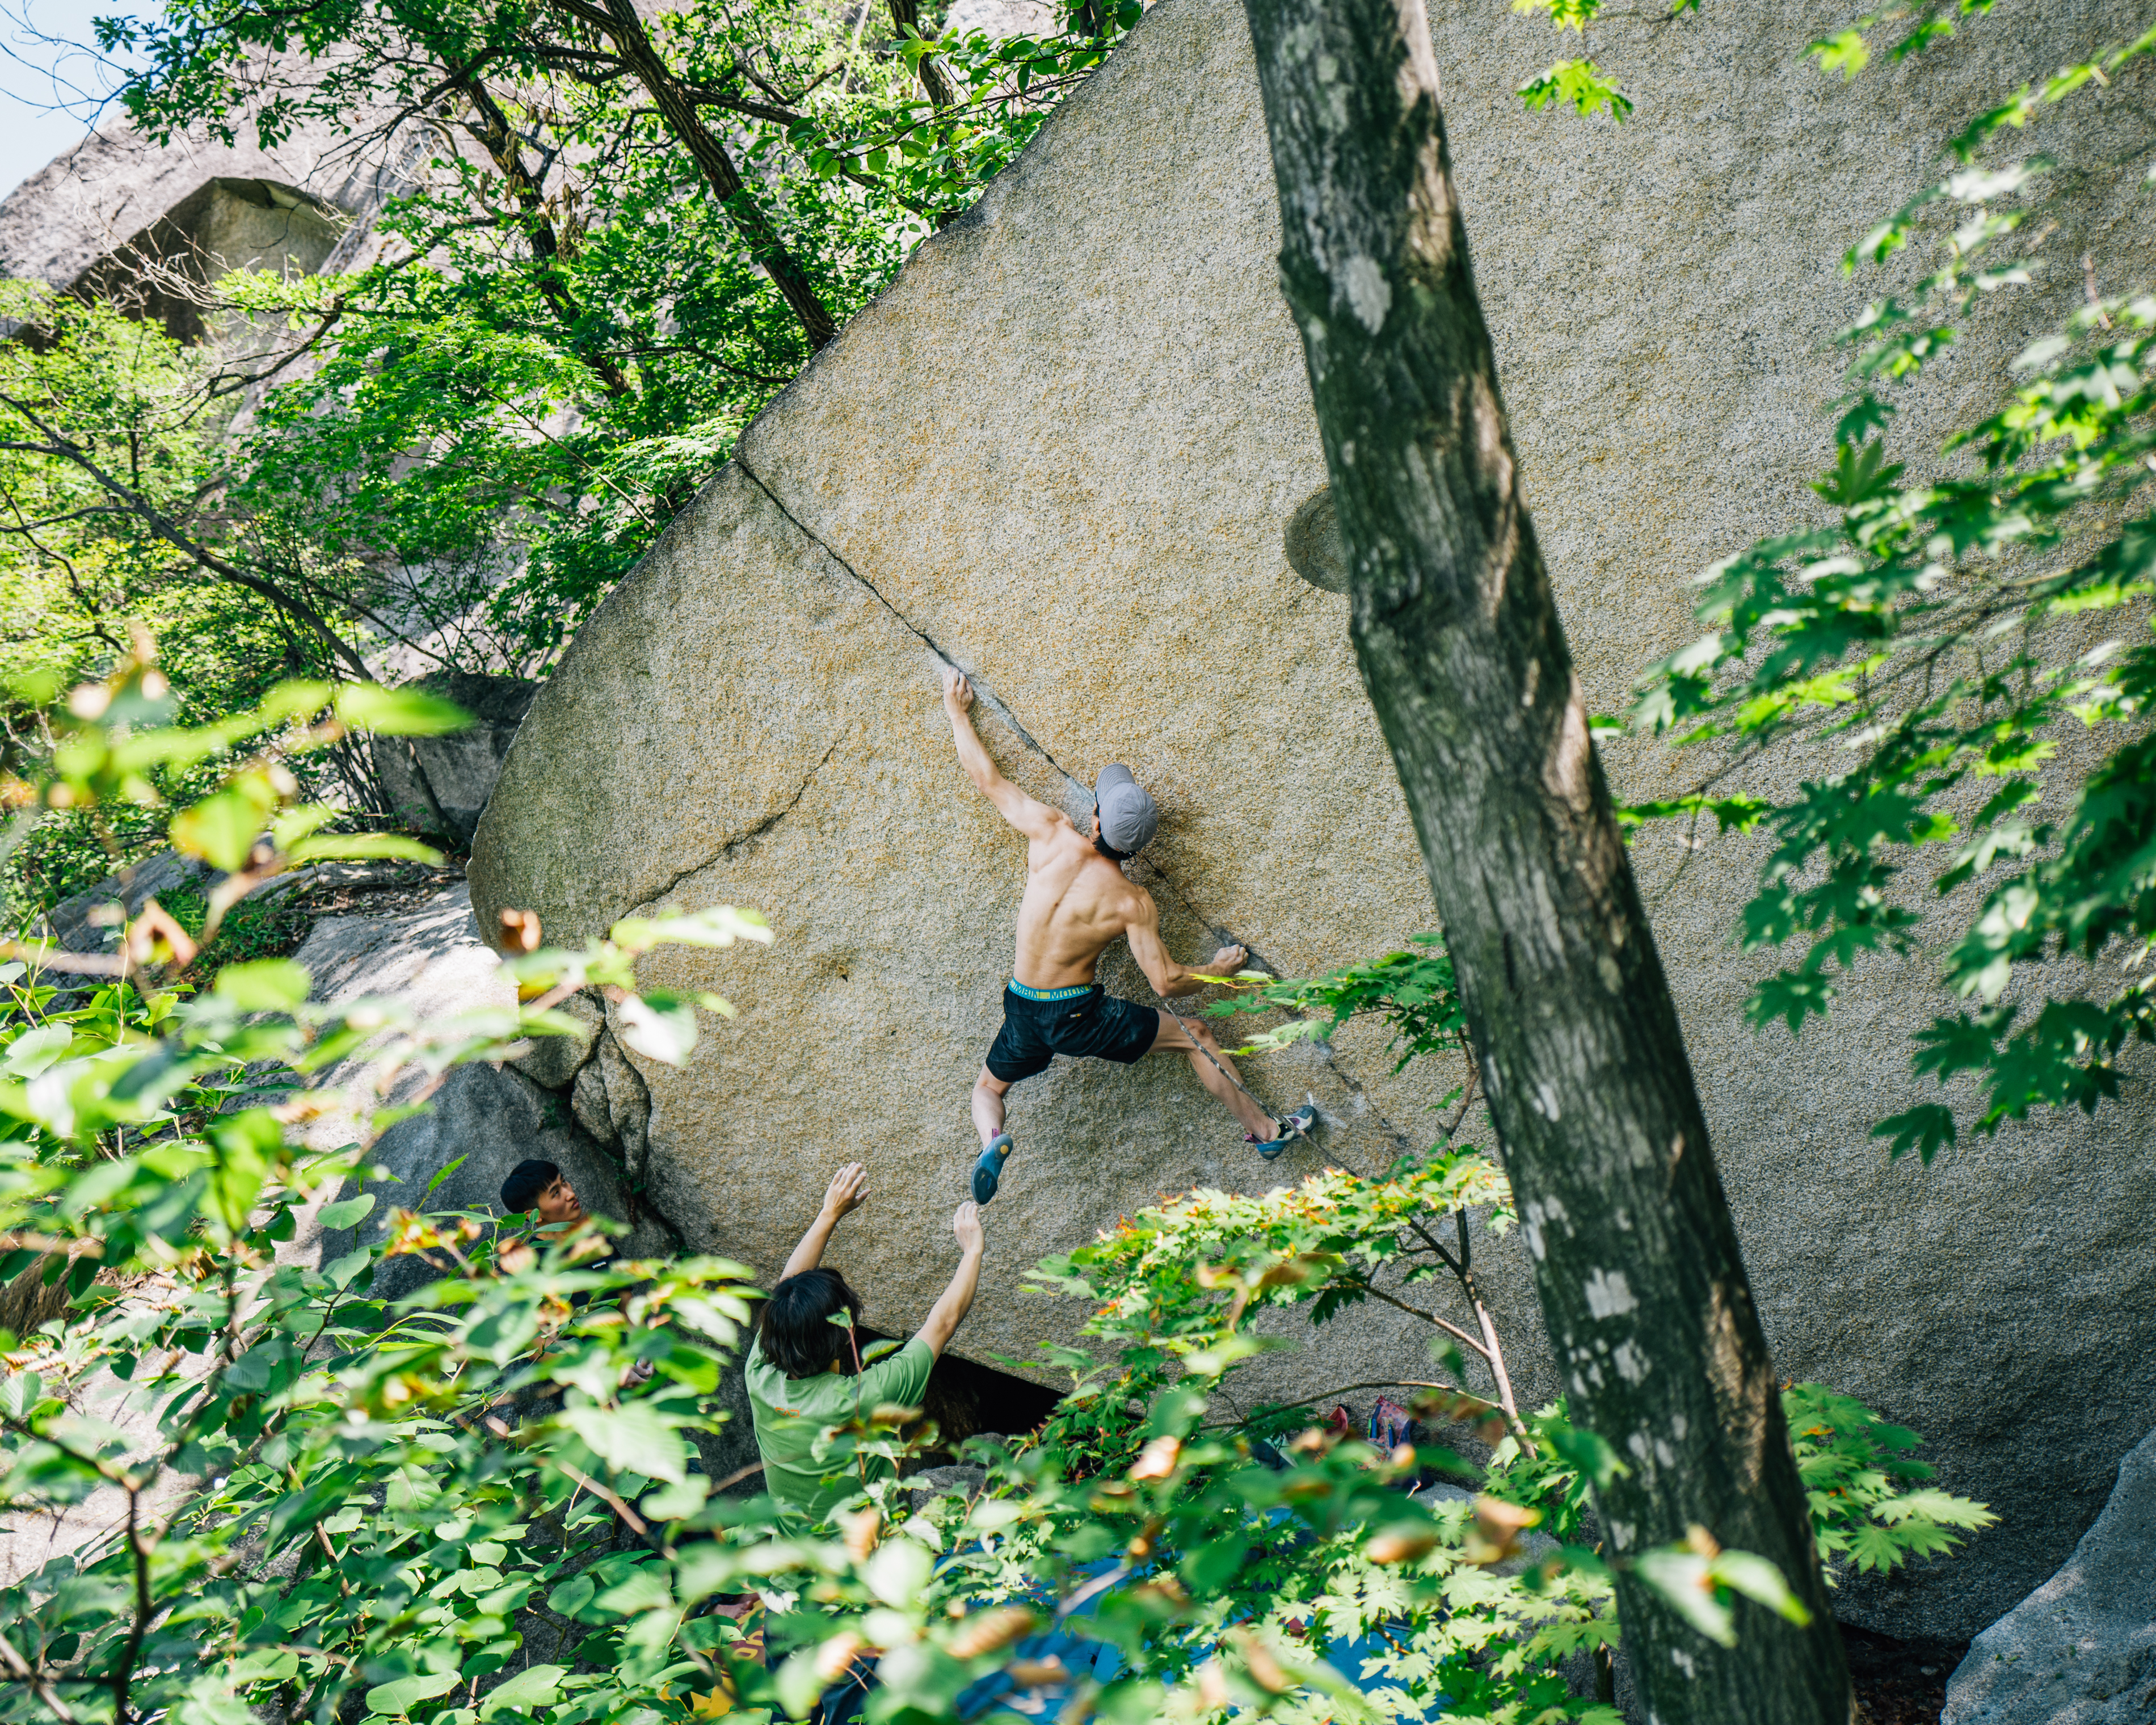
[[981, 690], [733, 846]]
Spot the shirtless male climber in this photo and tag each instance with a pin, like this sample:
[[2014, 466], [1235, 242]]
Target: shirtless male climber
[[1076, 902]]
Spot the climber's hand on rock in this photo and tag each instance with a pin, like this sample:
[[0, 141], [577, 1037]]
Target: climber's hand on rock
[[848, 1190], [967, 1226], [957, 692], [1227, 962]]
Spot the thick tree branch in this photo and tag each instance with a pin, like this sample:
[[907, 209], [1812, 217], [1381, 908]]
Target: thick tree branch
[[905, 15], [498, 138], [622, 26]]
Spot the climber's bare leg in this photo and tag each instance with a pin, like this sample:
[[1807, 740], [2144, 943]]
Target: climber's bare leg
[[1191, 1038], [989, 1093]]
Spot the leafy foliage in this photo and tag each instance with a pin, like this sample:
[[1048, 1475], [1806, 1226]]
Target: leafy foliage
[[613, 241], [1414, 995], [1937, 635], [482, 1500], [1173, 1286], [1857, 1474], [1907, 29], [1580, 84], [1178, 1293]]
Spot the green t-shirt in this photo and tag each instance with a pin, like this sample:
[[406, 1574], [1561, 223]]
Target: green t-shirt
[[792, 1414]]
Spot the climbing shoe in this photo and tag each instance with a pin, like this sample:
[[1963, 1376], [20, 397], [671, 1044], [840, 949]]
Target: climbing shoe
[[1297, 1125], [988, 1168]]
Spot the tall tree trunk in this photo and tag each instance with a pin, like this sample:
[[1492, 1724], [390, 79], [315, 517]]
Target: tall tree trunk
[[906, 17], [1457, 635], [617, 19]]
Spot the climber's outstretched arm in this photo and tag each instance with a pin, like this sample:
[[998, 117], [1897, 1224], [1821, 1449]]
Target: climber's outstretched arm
[[1171, 980], [1036, 820]]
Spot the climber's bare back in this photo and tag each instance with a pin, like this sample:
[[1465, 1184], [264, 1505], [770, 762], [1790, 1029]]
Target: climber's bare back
[[1076, 902]]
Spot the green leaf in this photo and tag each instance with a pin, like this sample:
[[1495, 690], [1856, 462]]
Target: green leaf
[[266, 985], [573, 1595], [221, 829], [302, 1509], [897, 1572], [345, 1211], [442, 1174], [797, 1683], [633, 1437], [1746, 1572], [1580, 83], [533, 1687], [398, 1698], [1845, 52], [658, 1027], [398, 712], [1927, 1129], [35, 1051], [362, 847], [1792, 996], [1592, 1455], [1680, 1575]]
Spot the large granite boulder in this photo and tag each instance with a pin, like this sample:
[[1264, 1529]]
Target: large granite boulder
[[2081, 1649], [1064, 450]]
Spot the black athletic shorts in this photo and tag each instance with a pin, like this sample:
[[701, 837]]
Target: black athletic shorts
[[1075, 1021]]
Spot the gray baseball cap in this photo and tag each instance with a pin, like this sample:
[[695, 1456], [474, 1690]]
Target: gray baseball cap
[[1128, 818]]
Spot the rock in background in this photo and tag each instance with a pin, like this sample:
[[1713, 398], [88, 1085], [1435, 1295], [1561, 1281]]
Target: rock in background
[[483, 1118], [2081, 1649], [439, 785], [1063, 451], [90, 921]]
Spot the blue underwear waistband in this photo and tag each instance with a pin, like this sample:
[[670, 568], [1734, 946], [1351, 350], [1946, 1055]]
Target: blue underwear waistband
[[1023, 992]]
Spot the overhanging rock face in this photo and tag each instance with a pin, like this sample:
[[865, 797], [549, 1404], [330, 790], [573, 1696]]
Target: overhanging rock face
[[1062, 451], [117, 201]]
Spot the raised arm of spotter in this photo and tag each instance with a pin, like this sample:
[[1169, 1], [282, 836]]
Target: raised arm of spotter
[[945, 1315], [848, 1190]]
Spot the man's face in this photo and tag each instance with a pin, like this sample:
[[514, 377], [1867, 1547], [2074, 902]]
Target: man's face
[[558, 1203]]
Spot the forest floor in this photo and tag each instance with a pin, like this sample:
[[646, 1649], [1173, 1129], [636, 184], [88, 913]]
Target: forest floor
[[1900, 1682]]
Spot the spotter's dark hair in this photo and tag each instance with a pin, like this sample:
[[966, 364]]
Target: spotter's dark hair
[[795, 1331], [526, 1182]]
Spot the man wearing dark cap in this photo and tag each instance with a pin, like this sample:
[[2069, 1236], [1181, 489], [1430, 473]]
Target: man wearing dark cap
[[1076, 902], [543, 1188]]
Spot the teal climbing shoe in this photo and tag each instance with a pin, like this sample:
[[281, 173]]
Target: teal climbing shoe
[[989, 1167], [1297, 1125]]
